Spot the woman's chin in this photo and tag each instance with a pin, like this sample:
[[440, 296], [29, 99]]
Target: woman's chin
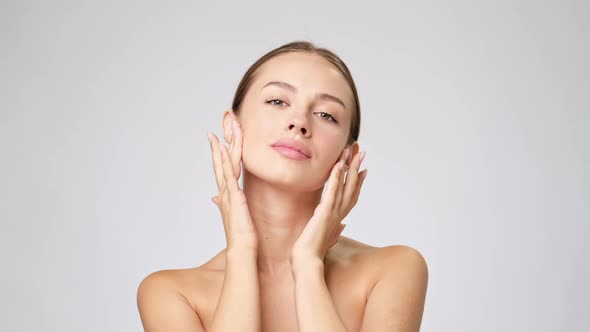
[[287, 179]]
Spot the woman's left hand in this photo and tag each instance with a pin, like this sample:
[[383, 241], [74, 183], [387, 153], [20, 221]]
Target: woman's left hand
[[339, 197]]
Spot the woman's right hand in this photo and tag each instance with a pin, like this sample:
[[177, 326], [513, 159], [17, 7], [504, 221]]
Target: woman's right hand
[[231, 201]]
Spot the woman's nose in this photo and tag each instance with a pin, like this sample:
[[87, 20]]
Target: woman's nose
[[296, 127], [299, 122]]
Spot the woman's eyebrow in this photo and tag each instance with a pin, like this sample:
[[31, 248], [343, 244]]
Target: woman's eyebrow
[[321, 96]]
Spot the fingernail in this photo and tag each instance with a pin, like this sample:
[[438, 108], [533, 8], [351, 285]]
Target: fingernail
[[209, 136], [362, 156]]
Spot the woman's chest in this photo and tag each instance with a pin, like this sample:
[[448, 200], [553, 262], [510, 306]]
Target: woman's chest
[[277, 310], [278, 307]]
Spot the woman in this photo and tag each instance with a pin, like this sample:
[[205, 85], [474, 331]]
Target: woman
[[293, 127]]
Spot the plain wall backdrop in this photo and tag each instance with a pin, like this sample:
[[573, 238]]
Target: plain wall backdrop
[[475, 118]]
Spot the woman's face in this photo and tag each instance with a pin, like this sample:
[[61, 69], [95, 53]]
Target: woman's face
[[310, 103]]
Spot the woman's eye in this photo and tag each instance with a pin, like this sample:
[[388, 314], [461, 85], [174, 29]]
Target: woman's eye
[[272, 102], [281, 103], [327, 116]]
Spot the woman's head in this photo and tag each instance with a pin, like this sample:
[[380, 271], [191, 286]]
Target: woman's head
[[303, 94], [307, 47]]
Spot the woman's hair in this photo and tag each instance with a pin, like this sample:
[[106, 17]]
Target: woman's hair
[[302, 46]]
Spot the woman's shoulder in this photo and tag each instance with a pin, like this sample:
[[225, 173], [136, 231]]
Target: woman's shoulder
[[397, 265], [367, 261], [194, 287], [348, 250], [346, 253]]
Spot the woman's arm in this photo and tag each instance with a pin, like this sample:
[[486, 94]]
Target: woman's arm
[[162, 308], [238, 308], [396, 302], [313, 303]]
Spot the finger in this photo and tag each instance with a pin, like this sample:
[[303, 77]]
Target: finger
[[339, 190], [224, 193], [352, 178], [217, 161], [231, 138], [355, 196], [329, 196], [336, 235], [228, 172], [236, 152]]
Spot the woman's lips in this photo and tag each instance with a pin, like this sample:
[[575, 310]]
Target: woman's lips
[[290, 153]]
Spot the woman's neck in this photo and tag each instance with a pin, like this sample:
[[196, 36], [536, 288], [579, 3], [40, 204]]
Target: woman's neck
[[279, 217]]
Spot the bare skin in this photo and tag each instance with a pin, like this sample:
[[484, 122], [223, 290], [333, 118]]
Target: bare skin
[[285, 266], [352, 269]]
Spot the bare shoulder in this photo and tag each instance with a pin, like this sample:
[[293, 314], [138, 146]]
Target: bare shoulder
[[396, 279], [176, 280], [402, 264], [169, 297], [192, 284], [374, 263], [348, 249], [163, 306], [396, 257]]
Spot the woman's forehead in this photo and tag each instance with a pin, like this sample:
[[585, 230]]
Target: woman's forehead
[[304, 72]]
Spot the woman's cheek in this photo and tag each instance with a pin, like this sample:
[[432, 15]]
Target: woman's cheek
[[246, 144], [252, 150], [332, 141]]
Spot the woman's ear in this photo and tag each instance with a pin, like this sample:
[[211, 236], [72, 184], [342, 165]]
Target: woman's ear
[[226, 124]]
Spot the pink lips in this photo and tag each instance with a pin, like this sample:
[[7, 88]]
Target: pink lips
[[291, 149]]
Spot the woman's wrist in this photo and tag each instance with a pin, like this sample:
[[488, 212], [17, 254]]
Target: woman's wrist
[[239, 253], [306, 265]]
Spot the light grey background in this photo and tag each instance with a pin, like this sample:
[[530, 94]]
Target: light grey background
[[475, 121]]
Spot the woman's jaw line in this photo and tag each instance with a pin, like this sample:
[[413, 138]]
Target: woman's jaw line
[[262, 192]]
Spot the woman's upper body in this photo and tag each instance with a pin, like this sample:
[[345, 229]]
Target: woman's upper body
[[372, 288], [296, 121]]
